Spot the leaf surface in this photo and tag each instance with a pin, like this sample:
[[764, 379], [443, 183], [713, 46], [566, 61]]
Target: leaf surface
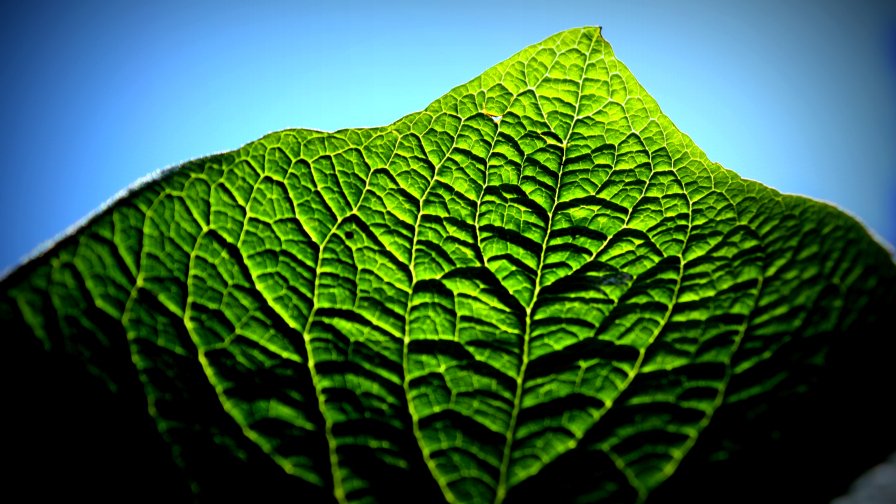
[[535, 277]]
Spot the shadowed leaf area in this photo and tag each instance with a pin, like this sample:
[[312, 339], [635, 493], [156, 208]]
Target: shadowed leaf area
[[536, 289]]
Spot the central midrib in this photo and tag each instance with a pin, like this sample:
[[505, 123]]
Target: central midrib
[[501, 491]]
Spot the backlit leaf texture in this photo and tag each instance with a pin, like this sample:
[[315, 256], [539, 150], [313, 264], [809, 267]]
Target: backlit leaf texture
[[535, 288]]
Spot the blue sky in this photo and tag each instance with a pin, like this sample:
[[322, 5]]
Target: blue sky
[[96, 95]]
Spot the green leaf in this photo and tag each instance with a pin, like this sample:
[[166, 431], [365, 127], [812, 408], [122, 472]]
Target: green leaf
[[536, 287]]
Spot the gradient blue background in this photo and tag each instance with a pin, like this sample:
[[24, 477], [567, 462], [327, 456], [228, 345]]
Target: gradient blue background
[[798, 95]]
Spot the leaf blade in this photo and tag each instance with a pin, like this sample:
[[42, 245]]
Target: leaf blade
[[476, 296]]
